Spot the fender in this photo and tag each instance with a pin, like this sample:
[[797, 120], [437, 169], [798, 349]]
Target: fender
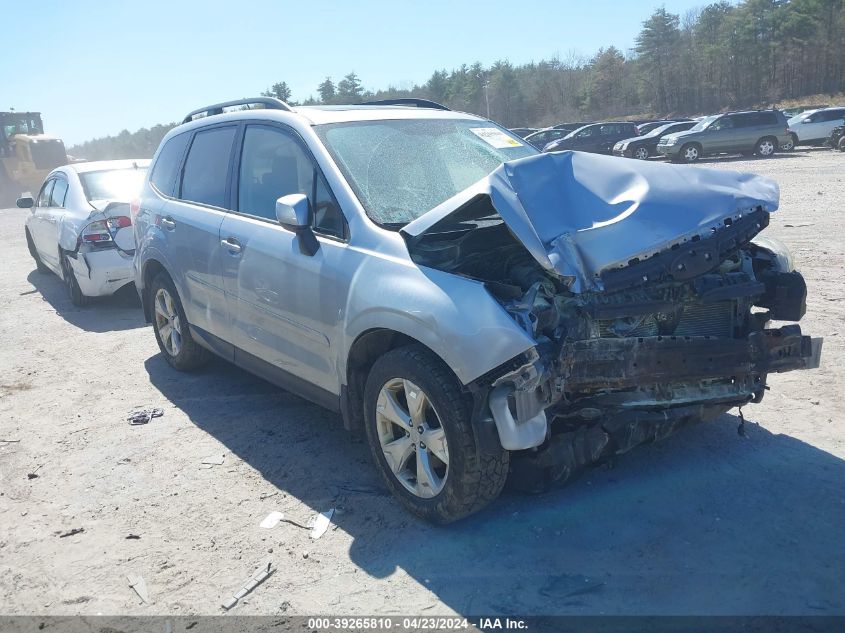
[[454, 316]]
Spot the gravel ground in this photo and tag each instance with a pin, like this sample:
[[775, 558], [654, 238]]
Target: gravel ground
[[704, 522]]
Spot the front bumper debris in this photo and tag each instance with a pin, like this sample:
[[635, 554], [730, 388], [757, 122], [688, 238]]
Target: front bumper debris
[[665, 380], [606, 364]]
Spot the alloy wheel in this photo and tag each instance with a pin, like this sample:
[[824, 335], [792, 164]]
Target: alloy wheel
[[641, 153], [167, 322], [766, 148], [691, 153], [412, 438]]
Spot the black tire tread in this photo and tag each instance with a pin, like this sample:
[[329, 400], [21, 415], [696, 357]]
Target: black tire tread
[[192, 355], [483, 476]]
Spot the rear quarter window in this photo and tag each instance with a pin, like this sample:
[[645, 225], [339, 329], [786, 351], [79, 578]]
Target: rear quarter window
[[166, 166]]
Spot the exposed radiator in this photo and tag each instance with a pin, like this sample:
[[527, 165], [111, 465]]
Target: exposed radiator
[[698, 319]]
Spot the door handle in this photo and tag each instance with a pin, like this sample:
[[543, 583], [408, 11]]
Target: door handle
[[232, 245], [168, 223]]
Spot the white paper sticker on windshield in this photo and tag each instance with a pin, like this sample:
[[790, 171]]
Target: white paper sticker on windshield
[[495, 137]]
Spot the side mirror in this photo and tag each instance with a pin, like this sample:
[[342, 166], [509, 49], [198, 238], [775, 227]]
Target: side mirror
[[293, 212], [25, 202]]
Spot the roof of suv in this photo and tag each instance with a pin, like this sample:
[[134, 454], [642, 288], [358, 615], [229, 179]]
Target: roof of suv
[[319, 115]]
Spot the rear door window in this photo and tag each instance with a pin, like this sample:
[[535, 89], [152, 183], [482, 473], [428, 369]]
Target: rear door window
[[59, 193], [167, 164], [206, 171]]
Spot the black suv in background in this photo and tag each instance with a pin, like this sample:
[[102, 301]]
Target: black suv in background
[[598, 138], [646, 145]]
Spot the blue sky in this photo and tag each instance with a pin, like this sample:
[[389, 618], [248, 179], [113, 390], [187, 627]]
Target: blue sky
[[96, 68]]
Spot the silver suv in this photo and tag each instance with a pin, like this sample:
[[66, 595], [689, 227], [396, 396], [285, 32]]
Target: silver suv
[[476, 307]]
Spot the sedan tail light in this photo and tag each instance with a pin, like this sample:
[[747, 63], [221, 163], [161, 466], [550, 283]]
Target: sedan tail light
[[96, 232], [101, 231], [118, 222]]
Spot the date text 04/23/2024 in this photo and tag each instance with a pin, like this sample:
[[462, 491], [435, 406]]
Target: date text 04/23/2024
[[423, 623]]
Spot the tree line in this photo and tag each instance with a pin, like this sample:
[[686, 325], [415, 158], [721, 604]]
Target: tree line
[[754, 53]]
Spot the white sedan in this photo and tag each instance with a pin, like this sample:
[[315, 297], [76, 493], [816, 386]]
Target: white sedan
[[80, 225]]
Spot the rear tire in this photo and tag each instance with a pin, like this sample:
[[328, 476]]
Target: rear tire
[[766, 147], [74, 292], [690, 153], [790, 146], [171, 327], [841, 144], [40, 266], [448, 479]]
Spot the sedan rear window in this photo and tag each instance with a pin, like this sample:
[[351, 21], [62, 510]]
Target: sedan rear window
[[113, 184], [399, 169]]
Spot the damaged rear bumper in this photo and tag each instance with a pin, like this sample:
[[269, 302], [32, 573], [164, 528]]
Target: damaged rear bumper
[[611, 378]]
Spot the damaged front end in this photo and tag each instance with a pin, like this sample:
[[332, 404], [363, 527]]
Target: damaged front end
[[646, 315]]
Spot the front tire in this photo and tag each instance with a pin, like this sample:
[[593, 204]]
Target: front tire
[[171, 327], [641, 153], [841, 144], [766, 147], [690, 153], [419, 429], [74, 292]]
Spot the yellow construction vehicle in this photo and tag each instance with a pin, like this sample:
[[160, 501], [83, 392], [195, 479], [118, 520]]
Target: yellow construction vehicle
[[26, 154]]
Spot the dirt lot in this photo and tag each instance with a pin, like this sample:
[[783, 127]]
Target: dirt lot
[[705, 522]]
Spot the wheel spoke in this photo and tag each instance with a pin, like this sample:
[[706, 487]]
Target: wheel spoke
[[428, 483], [165, 332], [168, 302], [160, 310], [397, 453], [435, 442], [389, 408], [175, 341], [416, 402], [161, 304]]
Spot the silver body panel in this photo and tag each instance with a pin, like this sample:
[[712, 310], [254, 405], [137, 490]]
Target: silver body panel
[[302, 314]]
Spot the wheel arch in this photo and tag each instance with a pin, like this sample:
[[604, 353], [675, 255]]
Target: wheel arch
[[368, 347], [151, 268]]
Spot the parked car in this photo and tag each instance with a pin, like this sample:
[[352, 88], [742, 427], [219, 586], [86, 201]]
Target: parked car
[[791, 112], [814, 127], [648, 126], [643, 147], [837, 138], [543, 137], [457, 295], [79, 225], [570, 126], [522, 132], [760, 132], [597, 138]]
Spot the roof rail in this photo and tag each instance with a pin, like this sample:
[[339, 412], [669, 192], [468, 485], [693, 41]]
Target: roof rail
[[416, 103], [269, 103]]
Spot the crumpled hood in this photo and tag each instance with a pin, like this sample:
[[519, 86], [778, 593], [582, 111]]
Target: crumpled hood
[[580, 214]]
